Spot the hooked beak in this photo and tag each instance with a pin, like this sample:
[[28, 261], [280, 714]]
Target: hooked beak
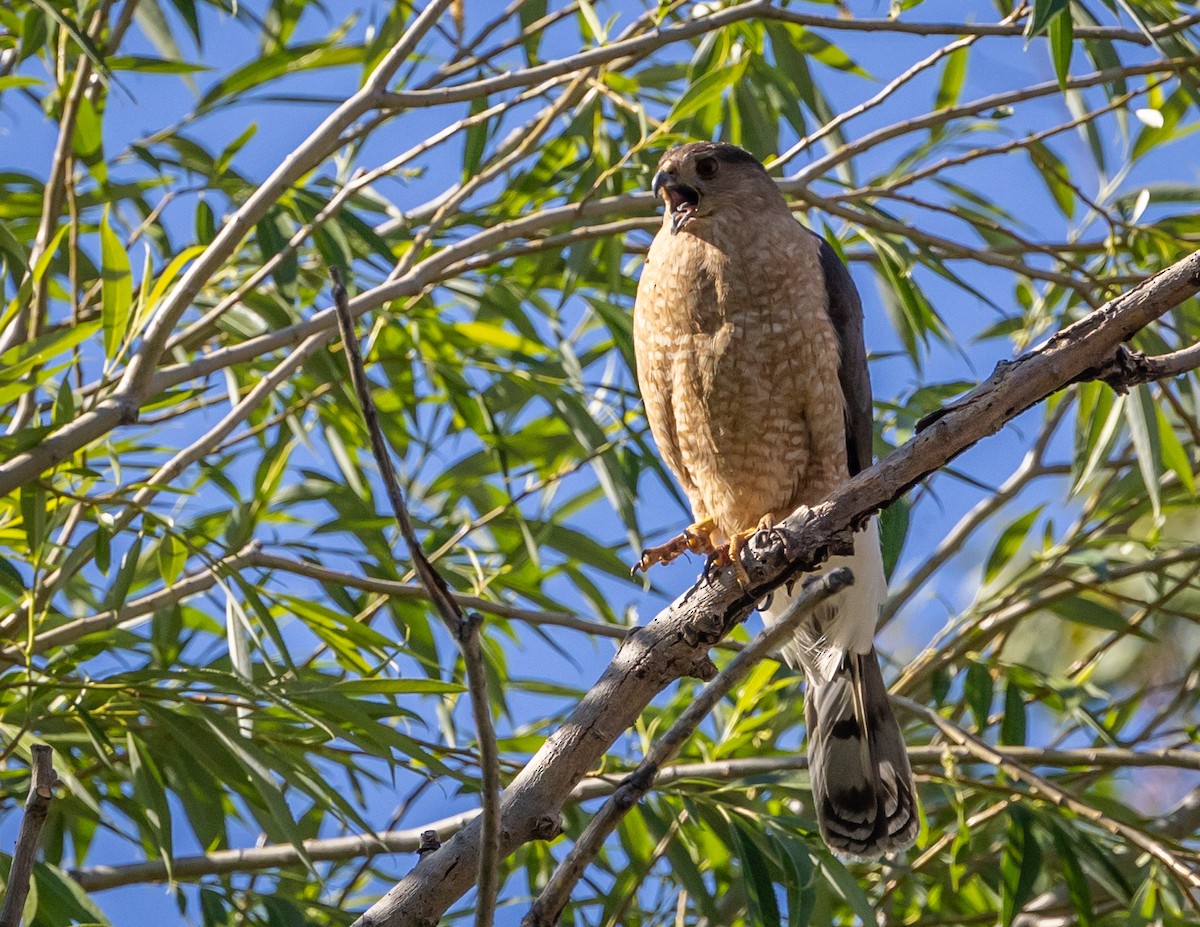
[[681, 199]]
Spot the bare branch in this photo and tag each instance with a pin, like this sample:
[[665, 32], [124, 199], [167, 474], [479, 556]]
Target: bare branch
[[549, 905], [824, 165], [465, 629], [1029, 468], [37, 806], [415, 840], [1129, 368], [676, 641], [1048, 791]]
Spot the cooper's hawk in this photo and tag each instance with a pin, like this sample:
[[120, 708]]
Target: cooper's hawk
[[751, 363]]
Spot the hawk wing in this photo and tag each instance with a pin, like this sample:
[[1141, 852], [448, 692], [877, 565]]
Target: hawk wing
[[845, 310]]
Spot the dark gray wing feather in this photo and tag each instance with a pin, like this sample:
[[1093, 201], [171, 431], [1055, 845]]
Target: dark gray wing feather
[[845, 309]]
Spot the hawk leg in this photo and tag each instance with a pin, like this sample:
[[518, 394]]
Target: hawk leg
[[697, 538]]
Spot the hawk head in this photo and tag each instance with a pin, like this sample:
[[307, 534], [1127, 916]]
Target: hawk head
[[701, 179]]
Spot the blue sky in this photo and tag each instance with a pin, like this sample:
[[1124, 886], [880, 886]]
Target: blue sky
[[26, 141]]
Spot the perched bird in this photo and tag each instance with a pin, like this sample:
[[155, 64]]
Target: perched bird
[[751, 363]]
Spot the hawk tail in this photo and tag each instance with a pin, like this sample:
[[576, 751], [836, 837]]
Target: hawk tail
[[862, 785]]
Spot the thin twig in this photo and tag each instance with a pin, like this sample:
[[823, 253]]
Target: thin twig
[[465, 629], [1030, 467], [411, 840], [549, 905], [1043, 788], [37, 806]]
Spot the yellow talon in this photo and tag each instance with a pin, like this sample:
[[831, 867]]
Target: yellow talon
[[697, 538]]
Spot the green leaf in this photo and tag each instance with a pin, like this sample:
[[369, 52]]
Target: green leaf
[[893, 530], [116, 289], [1012, 728], [1009, 543], [760, 892], [270, 67], [1043, 12], [33, 516], [1139, 413], [81, 38], [1174, 456], [88, 142], [398, 687], [125, 573], [978, 692], [953, 76], [151, 797], [1062, 44], [1086, 609], [1020, 864], [172, 555], [61, 900], [1078, 889], [705, 92]]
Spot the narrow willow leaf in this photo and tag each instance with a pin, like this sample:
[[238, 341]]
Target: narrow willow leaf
[[399, 687], [33, 516], [88, 141], [172, 555], [954, 74], [116, 288], [155, 811], [1078, 889], [1012, 728], [59, 899], [1062, 45], [1020, 864], [1174, 456], [978, 691], [1009, 543], [125, 573], [1043, 12], [1099, 429], [760, 891], [1139, 413]]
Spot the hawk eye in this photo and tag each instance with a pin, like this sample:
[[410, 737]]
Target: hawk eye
[[706, 168]]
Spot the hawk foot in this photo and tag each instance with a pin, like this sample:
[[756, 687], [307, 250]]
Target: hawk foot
[[696, 538], [732, 552]]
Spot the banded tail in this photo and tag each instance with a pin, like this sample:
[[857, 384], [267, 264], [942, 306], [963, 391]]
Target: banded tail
[[863, 792]]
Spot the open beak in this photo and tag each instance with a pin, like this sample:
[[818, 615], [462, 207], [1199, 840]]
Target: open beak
[[681, 199]]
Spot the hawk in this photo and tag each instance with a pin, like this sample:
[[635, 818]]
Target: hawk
[[750, 358]]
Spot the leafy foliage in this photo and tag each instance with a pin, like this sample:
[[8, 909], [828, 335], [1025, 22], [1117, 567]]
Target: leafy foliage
[[206, 613]]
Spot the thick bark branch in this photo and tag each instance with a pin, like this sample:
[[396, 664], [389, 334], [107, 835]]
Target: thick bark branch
[[675, 643]]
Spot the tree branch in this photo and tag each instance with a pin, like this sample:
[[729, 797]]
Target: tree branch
[[37, 806], [464, 629], [414, 840], [676, 641], [1043, 788], [548, 907]]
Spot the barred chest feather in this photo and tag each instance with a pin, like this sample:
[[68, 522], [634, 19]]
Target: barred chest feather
[[737, 363]]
